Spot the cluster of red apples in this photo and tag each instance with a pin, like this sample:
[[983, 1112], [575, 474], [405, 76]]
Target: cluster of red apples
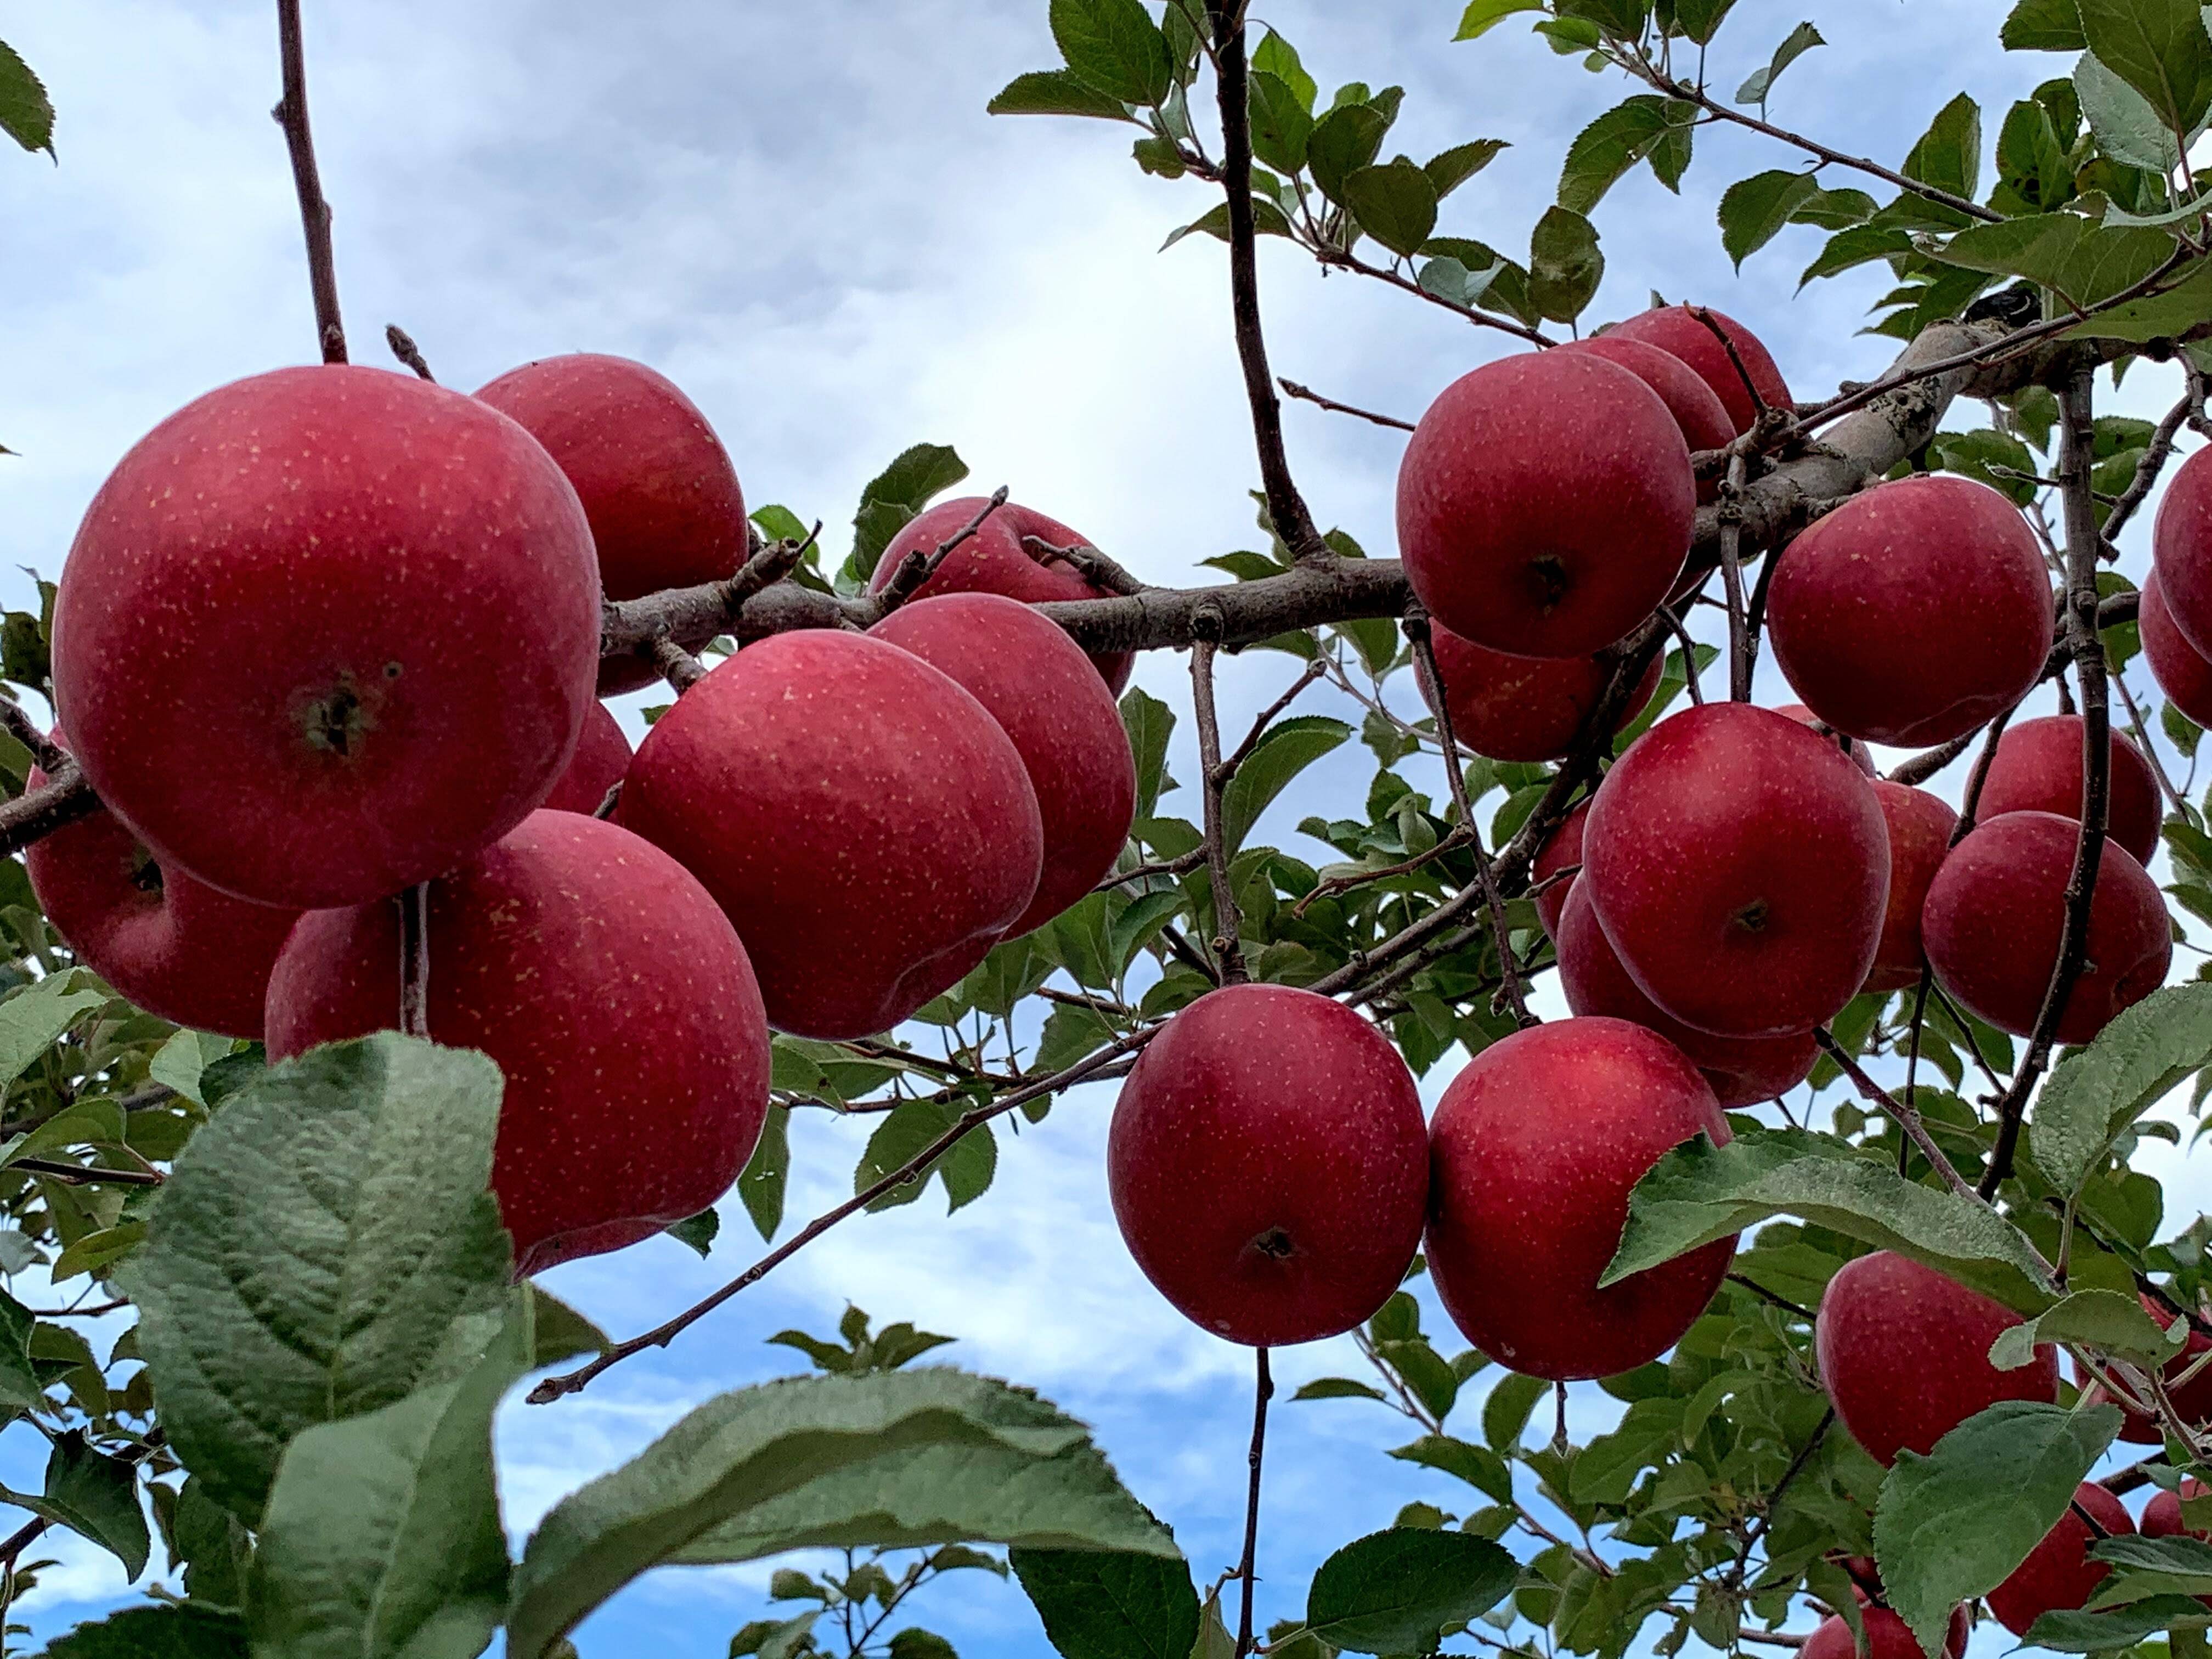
[[328, 635]]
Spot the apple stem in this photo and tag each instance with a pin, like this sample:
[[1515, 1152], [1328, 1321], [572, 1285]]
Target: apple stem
[[1912, 1059], [291, 114], [1263, 1390], [1308, 395], [1681, 633], [415, 960], [1228, 921]]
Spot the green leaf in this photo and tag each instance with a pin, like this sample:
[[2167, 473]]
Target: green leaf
[[2064, 251], [1148, 722], [1345, 140], [2101, 1319], [761, 1187], [1288, 749], [2160, 48], [382, 1537], [1505, 1412], [1267, 220], [1280, 124], [1949, 154], [1115, 46], [96, 1497], [1483, 15], [326, 1245], [2043, 26], [1393, 1592], [2115, 1632], [1854, 246], [2157, 317], [159, 1632], [915, 1643], [1699, 1193], [1279, 57], [696, 1232], [1338, 1387], [1448, 170], [33, 1018], [1617, 141], [897, 1458], [1954, 1525], [26, 114], [1565, 265], [179, 1061], [1053, 92], [896, 495], [2128, 128], [2095, 1092], [1395, 203], [1479, 1466], [1799, 41], [1700, 20], [1752, 210], [966, 1167], [1099, 1604]]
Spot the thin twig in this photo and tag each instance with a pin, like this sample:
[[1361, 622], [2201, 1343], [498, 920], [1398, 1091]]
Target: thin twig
[[1268, 717], [1904, 1113], [87, 1175], [1228, 922], [1739, 614], [918, 567], [1312, 397], [49, 755], [1175, 866], [1088, 562], [403, 348], [415, 960], [678, 666], [1918, 768], [2156, 455], [1760, 1523], [1766, 1295], [291, 114], [1263, 1390]]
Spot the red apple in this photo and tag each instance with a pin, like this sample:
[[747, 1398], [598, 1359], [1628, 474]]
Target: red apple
[[2058, 1575], [1695, 407], [1743, 1071], [1525, 708], [1545, 504], [326, 632], [1888, 1637], [1050, 701], [1739, 864], [1996, 911], [869, 829], [999, 558], [1673, 328], [602, 758], [1920, 826], [2181, 550], [1914, 612], [1535, 1147], [1905, 1353], [2162, 1517], [2182, 671], [615, 997], [1269, 1165], [1862, 757], [1562, 850], [2038, 768]]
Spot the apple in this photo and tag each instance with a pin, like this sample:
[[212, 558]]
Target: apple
[[1045, 694], [1525, 708], [2058, 1575], [1888, 1637], [2038, 768], [1268, 1166], [1920, 828], [2162, 1517], [1743, 1071], [1905, 1352], [1695, 407], [602, 758], [1996, 911], [2182, 671], [999, 559], [867, 827], [1562, 851], [1914, 612], [1532, 1152], [1862, 757], [325, 633], [1545, 504], [1673, 329], [2181, 550], [1739, 865], [615, 997]]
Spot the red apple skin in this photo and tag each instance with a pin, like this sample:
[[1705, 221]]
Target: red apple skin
[[1672, 328], [382, 598], [1914, 612], [1997, 909], [1905, 1352], [601, 760], [2162, 1516], [1743, 1071], [1532, 1152], [2181, 550], [1043, 690], [613, 994], [1268, 1166], [2182, 671], [1525, 708], [1861, 757], [1545, 504], [996, 559], [1920, 827], [2038, 768], [2058, 1575], [1563, 850], [1696, 408], [1739, 865], [1888, 1637], [867, 827]]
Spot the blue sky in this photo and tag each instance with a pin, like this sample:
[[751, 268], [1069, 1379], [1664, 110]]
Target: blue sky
[[798, 209]]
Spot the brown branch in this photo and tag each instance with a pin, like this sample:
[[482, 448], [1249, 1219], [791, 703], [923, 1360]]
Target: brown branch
[[415, 960], [49, 755], [1263, 1390], [291, 114], [1087, 561], [1331, 403], [1228, 923], [1175, 866], [403, 348], [678, 666], [1903, 1113], [917, 566], [1918, 768], [2155, 456], [87, 1175], [1343, 258], [1268, 717], [1739, 613], [1766, 1295], [63, 798]]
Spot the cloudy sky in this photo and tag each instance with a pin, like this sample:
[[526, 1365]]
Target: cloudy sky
[[798, 209]]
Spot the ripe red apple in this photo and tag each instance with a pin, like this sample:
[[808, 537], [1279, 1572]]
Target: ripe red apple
[[1920, 826], [602, 758], [326, 632], [1888, 1637], [1861, 755], [2181, 550], [1739, 865], [1525, 708], [2182, 671], [1269, 1165], [2162, 1517], [2038, 768], [1673, 328], [2058, 1575], [615, 997], [1695, 407], [867, 827], [1532, 1152], [999, 559], [1545, 504], [1743, 1071], [1914, 612], [1050, 701], [1905, 1352], [1996, 911], [1562, 850]]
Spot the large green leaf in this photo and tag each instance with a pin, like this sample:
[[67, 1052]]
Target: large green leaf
[[1483, 15], [2160, 48], [2095, 1092], [161, 1632], [1148, 723], [1102, 1604], [2128, 128], [1617, 141], [1281, 123], [966, 1167], [1565, 265], [1954, 1525], [326, 1246], [2160, 317], [26, 114], [1752, 210], [1760, 86], [2084, 262], [94, 1496], [1115, 46], [2043, 26], [1056, 92], [1288, 749], [1393, 1592], [2101, 1319], [1699, 1193], [1395, 203], [1949, 154], [33, 1018], [2117, 1631], [894, 497], [1344, 141], [907, 1457]]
